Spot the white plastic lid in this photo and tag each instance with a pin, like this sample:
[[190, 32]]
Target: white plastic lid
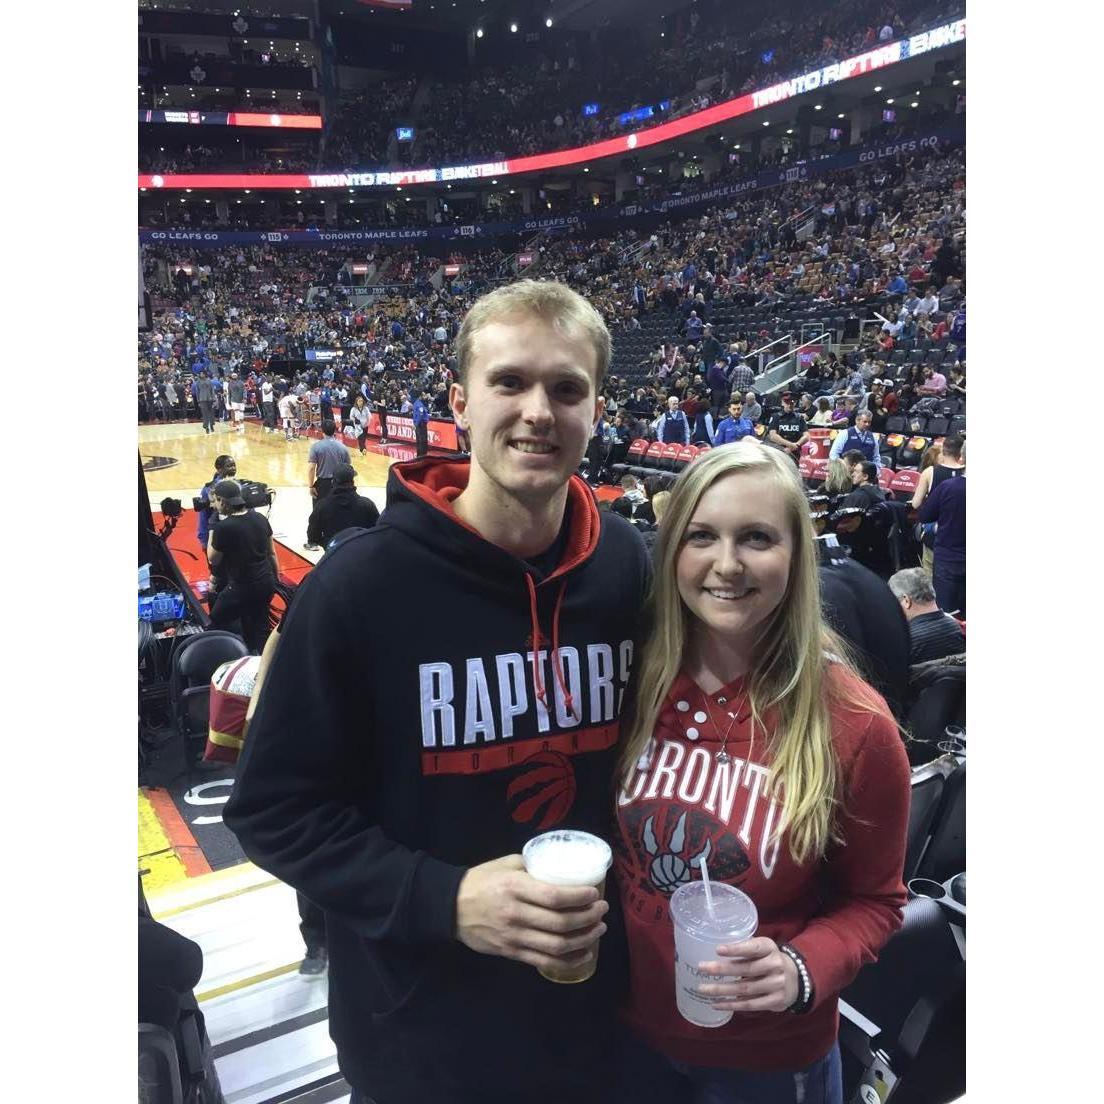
[[734, 918]]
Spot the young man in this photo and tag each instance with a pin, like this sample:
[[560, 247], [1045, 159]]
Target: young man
[[395, 782], [735, 426], [788, 430], [240, 549], [341, 509]]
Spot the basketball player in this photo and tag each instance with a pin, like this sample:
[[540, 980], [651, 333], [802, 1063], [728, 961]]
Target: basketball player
[[394, 780], [289, 415]]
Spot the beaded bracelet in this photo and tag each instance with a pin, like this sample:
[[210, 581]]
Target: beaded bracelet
[[805, 995]]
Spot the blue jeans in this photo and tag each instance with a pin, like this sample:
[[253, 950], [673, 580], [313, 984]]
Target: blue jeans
[[647, 1077]]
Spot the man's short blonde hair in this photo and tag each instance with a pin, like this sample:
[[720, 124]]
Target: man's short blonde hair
[[549, 300]]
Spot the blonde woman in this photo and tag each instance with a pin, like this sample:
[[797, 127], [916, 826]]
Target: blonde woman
[[837, 483], [752, 743]]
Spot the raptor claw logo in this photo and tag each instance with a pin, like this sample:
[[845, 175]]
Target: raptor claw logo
[[669, 870], [544, 788]]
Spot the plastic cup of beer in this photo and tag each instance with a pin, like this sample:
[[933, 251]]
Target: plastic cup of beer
[[698, 933], [569, 858]]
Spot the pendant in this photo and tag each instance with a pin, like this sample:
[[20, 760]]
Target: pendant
[[722, 756]]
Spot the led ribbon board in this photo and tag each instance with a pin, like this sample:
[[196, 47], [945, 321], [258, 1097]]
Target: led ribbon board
[[232, 118], [872, 60]]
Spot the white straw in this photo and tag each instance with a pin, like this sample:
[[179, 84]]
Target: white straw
[[708, 890]]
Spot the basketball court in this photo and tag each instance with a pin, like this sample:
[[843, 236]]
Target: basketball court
[[266, 1023]]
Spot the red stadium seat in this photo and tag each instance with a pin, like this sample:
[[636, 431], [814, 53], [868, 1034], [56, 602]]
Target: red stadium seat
[[652, 455], [805, 467], [686, 455], [885, 478], [669, 456], [903, 483], [636, 451]]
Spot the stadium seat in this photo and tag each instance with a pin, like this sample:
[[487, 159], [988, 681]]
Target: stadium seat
[[159, 1065], [902, 1020], [194, 660], [885, 478], [888, 446], [636, 451], [685, 457], [945, 855], [916, 425], [903, 484], [896, 425], [927, 786], [911, 452], [957, 424], [670, 455], [937, 427]]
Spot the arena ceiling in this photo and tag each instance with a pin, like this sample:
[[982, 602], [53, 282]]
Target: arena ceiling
[[573, 14]]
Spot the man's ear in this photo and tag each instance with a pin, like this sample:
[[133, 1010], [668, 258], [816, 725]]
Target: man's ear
[[458, 404]]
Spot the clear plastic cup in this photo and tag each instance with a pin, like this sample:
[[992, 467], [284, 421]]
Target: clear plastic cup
[[569, 858], [697, 936]]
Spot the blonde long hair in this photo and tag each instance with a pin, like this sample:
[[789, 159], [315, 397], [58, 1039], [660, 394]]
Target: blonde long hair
[[788, 680]]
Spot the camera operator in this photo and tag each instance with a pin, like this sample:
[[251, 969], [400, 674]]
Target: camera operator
[[226, 467], [240, 548]]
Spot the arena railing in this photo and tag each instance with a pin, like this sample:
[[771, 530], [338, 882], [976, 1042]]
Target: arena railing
[[759, 353], [782, 369]]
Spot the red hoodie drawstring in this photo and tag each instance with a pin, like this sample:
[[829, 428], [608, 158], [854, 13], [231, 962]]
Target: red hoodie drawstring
[[568, 702], [538, 684]]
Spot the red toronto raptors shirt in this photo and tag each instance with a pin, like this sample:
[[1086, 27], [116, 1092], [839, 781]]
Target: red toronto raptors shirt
[[838, 911]]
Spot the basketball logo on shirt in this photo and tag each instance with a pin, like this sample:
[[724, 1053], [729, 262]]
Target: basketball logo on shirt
[[543, 788], [668, 845]]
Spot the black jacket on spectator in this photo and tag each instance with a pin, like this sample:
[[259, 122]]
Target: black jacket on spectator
[[341, 509], [862, 609]]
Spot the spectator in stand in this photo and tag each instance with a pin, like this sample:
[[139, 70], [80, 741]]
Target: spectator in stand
[[865, 490], [946, 506], [719, 388], [822, 417], [837, 483], [741, 378], [735, 427], [933, 383], [693, 327], [753, 410], [933, 634]]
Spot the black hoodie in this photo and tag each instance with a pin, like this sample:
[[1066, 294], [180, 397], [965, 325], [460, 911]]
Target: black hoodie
[[408, 729]]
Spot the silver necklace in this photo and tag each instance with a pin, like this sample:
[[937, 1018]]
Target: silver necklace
[[721, 755]]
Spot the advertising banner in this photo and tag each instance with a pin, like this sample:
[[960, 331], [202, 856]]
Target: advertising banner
[[598, 220], [442, 434]]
